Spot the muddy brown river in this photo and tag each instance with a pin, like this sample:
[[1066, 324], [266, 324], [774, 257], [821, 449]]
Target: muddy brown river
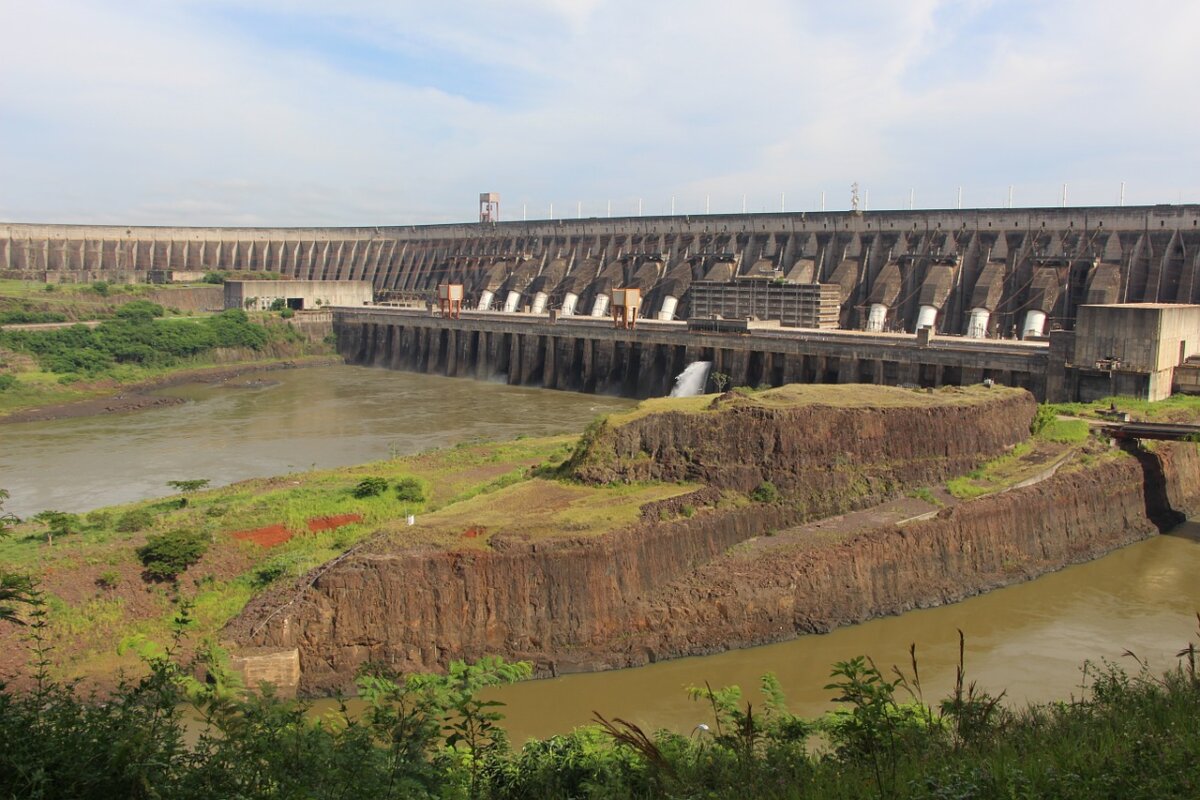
[[269, 423], [1029, 640]]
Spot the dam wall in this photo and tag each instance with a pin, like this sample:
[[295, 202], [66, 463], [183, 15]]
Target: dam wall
[[586, 355], [984, 272]]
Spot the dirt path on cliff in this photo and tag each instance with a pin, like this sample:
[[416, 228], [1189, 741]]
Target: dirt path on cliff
[[139, 396]]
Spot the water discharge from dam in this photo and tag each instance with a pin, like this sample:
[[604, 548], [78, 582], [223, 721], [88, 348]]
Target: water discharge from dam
[[1028, 639], [692, 380]]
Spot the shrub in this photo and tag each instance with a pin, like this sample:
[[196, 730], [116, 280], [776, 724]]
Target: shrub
[[269, 573], [410, 490], [7, 382], [370, 487], [1044, 416], [765, 493], [100, 288], [688, 511], [26, 317], [165, 555], [140, 310], [213, 277], [58, 523], [134, 520], [278, 304], [109, 579], [287, 313], [99, 519]]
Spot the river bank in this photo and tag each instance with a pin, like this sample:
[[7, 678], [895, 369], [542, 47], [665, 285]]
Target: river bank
[[115, 397]]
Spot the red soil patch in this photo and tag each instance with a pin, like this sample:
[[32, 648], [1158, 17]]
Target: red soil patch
[[336, 521], [268, 536], [472, 533]]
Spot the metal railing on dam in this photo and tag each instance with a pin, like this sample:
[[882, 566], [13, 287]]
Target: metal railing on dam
[[591, 355], [983, 271]]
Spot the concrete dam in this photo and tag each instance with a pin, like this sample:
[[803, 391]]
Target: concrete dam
[[980, 273]]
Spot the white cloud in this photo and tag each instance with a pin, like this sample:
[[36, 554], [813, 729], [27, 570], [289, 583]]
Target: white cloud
[[369, 112]]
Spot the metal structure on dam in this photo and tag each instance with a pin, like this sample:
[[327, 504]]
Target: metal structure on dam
[[980, 273]]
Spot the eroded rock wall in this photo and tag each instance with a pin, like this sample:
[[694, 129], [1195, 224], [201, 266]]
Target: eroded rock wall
[[780, 588], [564, 602], [810, 450]]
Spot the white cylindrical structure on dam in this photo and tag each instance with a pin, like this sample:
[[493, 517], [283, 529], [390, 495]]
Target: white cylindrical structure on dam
[[539, 302], [1035, 323], [568, 306], [667, 312], [485, 300], [510, 303], [977, 323], [876, 317], [926, 317], [600, 306]]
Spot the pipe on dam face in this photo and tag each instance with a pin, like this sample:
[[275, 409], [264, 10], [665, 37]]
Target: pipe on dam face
[[600, 306], [511, 302], [539, 302], [1035, 323], [485, 300], [570, 299], [876, 317], [926, 317], [977, 323], [667, 312]]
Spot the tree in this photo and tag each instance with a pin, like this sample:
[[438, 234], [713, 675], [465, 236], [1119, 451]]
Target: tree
[[166, 555], [58, 522], [187, 487], [720, 381], [370, 487], [14, 588]]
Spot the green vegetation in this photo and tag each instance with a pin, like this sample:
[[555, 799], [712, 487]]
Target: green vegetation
[[371, 486], [1176, 408], [765, 493], [411, 490], [432, 736], [135, 337], [58, 523], [133, 520], [166, 555], [25, 317]]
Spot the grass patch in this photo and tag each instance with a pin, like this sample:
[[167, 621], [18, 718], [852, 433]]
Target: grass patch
[[836, 395], [1025, 460], [1065, 431]]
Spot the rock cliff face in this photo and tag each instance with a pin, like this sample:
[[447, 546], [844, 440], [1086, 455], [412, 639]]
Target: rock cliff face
[[810, 450], [663, 589], [781, 587]]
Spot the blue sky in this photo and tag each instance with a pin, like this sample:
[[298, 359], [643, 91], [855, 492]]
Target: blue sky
[[250, 112]]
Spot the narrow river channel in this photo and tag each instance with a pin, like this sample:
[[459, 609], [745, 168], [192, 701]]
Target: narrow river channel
[[1029, 640]]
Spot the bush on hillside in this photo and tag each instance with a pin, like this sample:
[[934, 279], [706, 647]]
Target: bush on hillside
[[134, 337], [165, 555], [134, 520], [410, 490], [370, 487], [765, 493]]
